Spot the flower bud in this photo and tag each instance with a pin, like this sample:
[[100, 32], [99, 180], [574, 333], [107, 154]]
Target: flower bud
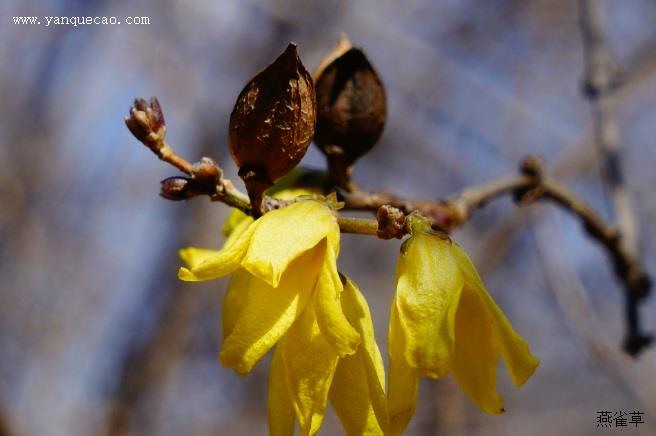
[[146, 122], [273, 122], [351, 106], [177, 188]]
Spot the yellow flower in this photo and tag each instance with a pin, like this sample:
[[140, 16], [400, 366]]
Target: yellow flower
[[286, 253], [354, 384], [443, 320], [285, 289]]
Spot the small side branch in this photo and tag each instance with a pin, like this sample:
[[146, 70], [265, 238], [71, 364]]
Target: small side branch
[[205, 178], [601, 80]]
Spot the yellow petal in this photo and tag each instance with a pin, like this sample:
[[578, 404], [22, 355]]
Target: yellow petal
[[476, 353], [285, 234], [268, 313], [358, 389], [516, 354], [235, 300], [333, 236], [222, 262], [428, 290], [403, 379], [350, 397], [310, 364], [358, 314], [331, 319], [292, 193], [235, 218], [520, 362], [281, 412], [194, 256]]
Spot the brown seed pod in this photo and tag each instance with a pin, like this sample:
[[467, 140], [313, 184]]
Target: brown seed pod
[[351, 104], [273, 122]]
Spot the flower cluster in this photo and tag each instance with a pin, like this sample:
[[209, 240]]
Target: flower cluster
[[286, 292]]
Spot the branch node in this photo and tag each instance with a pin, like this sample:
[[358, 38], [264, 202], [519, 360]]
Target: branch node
[[206, 172], [531, 167], [391, 222]]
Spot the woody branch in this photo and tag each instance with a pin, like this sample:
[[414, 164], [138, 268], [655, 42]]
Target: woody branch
[[601, 80], [205, 178]]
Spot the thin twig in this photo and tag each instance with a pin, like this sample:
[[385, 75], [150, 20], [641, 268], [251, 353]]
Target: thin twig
[[228, 194], [146, 123], [572, 297], [601, 80], [452, 213], [361, 226]]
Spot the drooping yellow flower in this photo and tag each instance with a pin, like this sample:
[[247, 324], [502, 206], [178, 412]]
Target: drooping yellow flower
[[354, 384], [286, 253], [358, 390], [285, 289], [443, 320]]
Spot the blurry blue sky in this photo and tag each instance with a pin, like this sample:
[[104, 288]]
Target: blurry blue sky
[[88, 249]]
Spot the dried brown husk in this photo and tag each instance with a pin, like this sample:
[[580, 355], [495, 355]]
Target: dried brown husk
[[351, 104], [273, 120]]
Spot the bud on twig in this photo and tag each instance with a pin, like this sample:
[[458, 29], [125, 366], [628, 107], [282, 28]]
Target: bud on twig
[[205, 178], [177, 188], [146, 122], [206, 172], [272, 123], [351, 105]]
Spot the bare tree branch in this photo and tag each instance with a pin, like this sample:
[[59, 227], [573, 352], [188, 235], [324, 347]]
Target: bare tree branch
[[146, 122], [600, 81]]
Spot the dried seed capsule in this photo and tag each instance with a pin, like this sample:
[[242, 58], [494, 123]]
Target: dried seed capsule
[[351, 106], [273, 122]]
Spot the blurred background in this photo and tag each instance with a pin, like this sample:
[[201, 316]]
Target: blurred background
[[98, 337]]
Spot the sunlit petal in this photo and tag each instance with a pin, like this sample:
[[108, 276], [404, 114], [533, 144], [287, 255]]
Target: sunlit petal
[[194, 256], [223, 262], [292, 193], [328, 308], [235, 218], [310, 364], [350, 399], [476, 352], [235, 300], [403, 379], [333, 236], [280, 410], [269, 312], [285, 234], [516, 354], [357, 392], [428, 290]]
